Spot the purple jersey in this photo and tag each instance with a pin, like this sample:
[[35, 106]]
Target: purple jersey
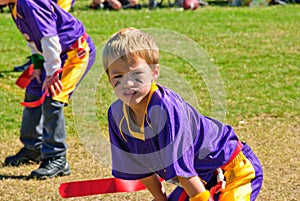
[[43, 18], [174, 140]]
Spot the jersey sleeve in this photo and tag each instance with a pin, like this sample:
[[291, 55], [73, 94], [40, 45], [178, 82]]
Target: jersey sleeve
[[51, 52]]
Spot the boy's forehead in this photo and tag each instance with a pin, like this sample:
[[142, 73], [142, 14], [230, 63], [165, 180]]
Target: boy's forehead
[[121, 64], [124, 61]]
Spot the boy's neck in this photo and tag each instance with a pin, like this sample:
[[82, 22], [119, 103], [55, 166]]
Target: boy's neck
[[137, 112]]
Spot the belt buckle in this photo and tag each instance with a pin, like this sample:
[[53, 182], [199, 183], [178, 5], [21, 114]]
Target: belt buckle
[[220, 179]]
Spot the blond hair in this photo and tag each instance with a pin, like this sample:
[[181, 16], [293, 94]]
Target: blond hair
[[130, 43]]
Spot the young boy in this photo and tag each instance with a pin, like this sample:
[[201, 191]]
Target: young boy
[[58, 42], [155, 133]]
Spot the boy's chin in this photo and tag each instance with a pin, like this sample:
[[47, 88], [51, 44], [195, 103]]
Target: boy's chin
[[132, 103], [135, 101]]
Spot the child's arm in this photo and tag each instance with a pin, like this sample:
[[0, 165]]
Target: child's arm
[[155, 187], [194, 188]]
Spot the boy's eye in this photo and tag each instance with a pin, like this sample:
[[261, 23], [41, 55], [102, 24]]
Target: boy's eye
[[117, 76], [117, 83], [137, 73], [116, 79]]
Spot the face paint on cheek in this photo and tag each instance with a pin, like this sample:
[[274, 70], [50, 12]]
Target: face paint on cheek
[[138, 80], [117, 83]]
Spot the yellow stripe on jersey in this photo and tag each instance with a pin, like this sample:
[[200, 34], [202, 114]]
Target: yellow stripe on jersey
[[139, 135]]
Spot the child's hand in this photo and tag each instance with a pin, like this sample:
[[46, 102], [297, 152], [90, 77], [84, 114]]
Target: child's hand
[[163, 198], [153, 184], [36, 75], [54, 84]]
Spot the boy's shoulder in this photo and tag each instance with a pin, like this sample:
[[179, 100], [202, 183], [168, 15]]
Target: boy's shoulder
[[169, 96], [116, 105], [115, 111]]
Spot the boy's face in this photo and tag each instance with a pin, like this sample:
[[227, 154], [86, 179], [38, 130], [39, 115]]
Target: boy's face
[[132, 80]]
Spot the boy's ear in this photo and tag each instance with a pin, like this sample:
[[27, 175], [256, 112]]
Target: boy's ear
[[155, 70]]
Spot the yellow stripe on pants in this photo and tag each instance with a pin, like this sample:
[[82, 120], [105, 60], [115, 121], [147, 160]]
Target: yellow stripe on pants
[[238, 176], [72, 74]]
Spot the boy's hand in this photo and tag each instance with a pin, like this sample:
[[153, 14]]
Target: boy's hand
[[153, 184], [163, 198], [36, 75], [193, 186], [54, 84]]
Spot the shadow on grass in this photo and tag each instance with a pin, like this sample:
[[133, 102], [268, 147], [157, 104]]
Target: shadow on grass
[[19, 177], [12, 174], [5, 72]]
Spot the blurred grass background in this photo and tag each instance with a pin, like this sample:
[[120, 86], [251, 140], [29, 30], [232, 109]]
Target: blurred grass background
[[256, 51]]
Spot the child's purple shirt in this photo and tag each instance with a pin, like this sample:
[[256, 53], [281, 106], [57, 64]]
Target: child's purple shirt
[[178, 140]]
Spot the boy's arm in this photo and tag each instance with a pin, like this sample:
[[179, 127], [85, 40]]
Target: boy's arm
[[155, 187], [194, 188], [51, 53]]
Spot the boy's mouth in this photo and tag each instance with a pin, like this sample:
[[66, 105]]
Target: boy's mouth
[[130, 93]]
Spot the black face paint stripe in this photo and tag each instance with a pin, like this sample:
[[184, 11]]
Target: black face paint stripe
[[138, 80], [118, 83]]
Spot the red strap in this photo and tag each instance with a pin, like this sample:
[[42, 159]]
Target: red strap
[[35, 103], [182, 196], [45, 93], [237, 150], [82, 38], [98, 186], [216, 189], [24, 78]]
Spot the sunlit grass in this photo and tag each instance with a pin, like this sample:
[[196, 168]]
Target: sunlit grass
[[255, 50]]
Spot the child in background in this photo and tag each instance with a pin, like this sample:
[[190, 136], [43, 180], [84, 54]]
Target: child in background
[[155, 133], [57, 40], [115, 4], [67, 5]]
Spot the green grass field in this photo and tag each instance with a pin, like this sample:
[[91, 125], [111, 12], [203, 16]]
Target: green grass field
[[256, 52]]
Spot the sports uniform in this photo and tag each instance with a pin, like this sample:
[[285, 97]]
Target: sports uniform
[[57, 39], [175, 140]]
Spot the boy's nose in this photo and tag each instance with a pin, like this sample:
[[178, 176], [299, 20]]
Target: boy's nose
[[129, 83]]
